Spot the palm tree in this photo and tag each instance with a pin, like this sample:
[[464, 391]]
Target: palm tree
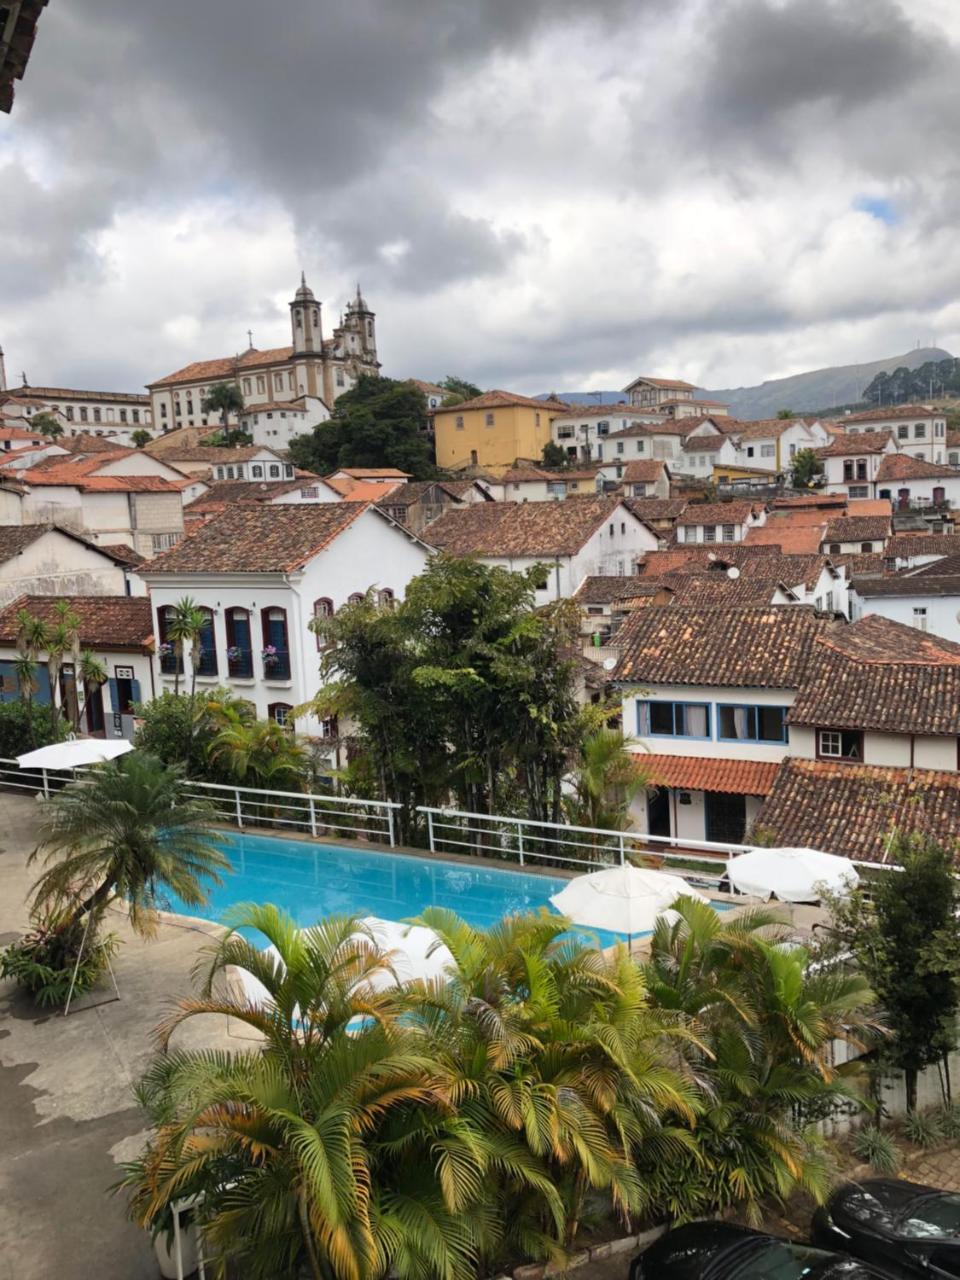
[[91, 674], [127, 830], [32, 640], [607, 780], [223, 398], [25, 670], [261, 752], [765, 1024], [186, 624]]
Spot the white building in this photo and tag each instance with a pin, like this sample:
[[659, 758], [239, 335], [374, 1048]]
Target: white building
[[639, 478], [851, 463], [652, 393], [706, 694], [41, 560], [927, 599], [117, 630], [700, 453], [911, 482], [856, 535], [571, 540], [313, 367], [277, 422], [917, 429], [535, 484], [262, 573], [580, 429], [719, 521], [114, 414]]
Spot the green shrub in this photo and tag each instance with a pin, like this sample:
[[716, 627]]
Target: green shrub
[[877, 1149], [25, 726], [948, 1118], [179, 728], [923, 1128], [42, 961]]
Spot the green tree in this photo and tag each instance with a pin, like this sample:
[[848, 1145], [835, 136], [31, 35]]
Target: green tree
[[784, 414], [260, 753], [46, 423], [25, 671], [554, 456], [25, 725], [458, 390], [180, 730], [223, 398], [56, 638], [127, 830], [185, 628], [91, 674], [377, 423], [903, 928], [607, 778], [805, 468], [140, 437], [764, 1024]]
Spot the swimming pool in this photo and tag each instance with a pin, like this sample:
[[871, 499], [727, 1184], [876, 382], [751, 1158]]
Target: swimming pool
[[310, 881]]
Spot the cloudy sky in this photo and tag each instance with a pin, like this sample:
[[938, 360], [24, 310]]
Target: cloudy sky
[[723, 190]]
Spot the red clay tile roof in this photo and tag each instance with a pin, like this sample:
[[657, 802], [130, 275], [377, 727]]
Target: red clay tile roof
[[866, 564], [672, 426], [214, 453], [663, 382], [706, 590], [530, 475], [608, 588], [122, 553], [69, 475], [352, 490], [525, 529], [718, 513], [259, 538], [106, 622], [852, 809], [224, 493], [858, 529], [621, 408], [937, 568], [504, 400], [881, 675], [870, 506], [760, 648], [718, 556], [890, 412], [70, 393], [946, 583], [703, 444], [847, 446], [904, 546], [372, 473], [791, 539], [764, 428], [656, 508], [901, 466], [700, 773], [644, 471], [224, 368]]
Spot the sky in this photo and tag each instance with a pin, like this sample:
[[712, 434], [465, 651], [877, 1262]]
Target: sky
[[539, 196]]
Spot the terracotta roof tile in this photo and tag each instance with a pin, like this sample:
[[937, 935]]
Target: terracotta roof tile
[[946, 583], [608, 588], [701, 773], [848, 446], [620, 409], [71, 393], [703, 444], [718, 513], [224, 368], [881, 675], [106, 622], [520, 528], [504, 400], [891, 412], [259, 538], [664, 382], [656, 508], [709, 590], [858, 529], [851, 809], [904, 546], [716, 556], [901, 466], [870, 506], [224, 493], [745, 648], [644, 471], [790, 539]]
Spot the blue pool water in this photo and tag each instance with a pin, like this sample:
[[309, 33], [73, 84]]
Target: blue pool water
[[310, 881]]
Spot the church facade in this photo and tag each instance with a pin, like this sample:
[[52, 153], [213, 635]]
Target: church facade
[[313, 367]]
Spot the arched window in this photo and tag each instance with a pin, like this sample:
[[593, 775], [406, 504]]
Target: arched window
[[356, 598], [257, 471], [207, 665], [276, 649], [280, 711], [386, 598], [322, 608], [170, 661], [239, 645]]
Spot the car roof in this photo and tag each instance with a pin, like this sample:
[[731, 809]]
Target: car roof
[[687, 1248], [892, 1196]]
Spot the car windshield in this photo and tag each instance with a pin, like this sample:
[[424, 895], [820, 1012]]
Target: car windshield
[[937, 1215], [777, 1260]]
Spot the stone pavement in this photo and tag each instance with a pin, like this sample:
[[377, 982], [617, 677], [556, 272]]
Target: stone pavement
[[67, 1115], [938, 1167]]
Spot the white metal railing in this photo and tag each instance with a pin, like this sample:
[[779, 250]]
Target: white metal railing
[[37, 780], [313, 813]]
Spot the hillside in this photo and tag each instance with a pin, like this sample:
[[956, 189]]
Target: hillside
[[818, 389]]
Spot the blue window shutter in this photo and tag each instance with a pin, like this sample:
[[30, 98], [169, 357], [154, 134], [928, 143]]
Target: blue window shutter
[[114, 695], [135, 687], [42, 677], [8, 693]]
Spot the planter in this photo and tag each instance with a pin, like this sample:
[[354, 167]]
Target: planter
[[189, 1254]]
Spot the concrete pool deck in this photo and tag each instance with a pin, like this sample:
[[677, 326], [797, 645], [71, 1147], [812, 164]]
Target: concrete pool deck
[[67, 1115]]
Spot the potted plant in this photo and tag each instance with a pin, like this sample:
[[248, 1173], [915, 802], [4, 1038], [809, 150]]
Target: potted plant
[[270, 657]]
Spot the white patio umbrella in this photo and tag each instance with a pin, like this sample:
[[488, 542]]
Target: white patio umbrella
[[621, 899], [792, 875], [77, 751]]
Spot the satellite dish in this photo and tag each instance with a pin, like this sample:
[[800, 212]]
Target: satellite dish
[[733, 572], [609, 663]]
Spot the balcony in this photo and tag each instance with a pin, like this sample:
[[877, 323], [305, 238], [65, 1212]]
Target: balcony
[[171, 663], [276, 663], [207, 663], [240, 663]]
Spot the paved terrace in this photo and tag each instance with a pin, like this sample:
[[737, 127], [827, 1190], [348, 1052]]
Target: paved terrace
[[67, 1116]]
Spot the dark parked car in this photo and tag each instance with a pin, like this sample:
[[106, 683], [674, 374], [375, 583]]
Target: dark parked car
[[904, 1225], [722, 1251]]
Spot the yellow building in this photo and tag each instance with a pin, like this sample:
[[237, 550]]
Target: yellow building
[[494, 430]]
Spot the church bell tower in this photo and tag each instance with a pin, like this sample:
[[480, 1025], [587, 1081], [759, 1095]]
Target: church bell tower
[[305, 321]]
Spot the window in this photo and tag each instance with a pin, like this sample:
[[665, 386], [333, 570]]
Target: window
[[768, 451], [751, 724], [322, 608], [920, 618], [280, 711], [220, 473], [97, 417], [866, 548], [287, 471], [261, 384], [247, 387], [829, 602], [459, 423], [339, 377], [163, 410], [919, 430], [189, 406], [69, 412], [274, 471], [171, 661], [536, 419], [603, 428], [563, 433], [164, 541], [386, 598], [330, 728], [275, 653], [355, 598], [256, 471], [123, 415], [903, 432], [488, 419], [619, 446], [840, 744], [641, 446], [709, 533], [311, 493], [239, 645], [858, 490], [84, 416], [673, 719], [611, 531], [555, 489], [207, 659], [230, 473], [749, 450], [639, 490], [729, 533], [834, 548]]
